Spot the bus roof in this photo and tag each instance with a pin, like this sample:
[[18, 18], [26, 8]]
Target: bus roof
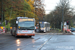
[[44, 22], [23, 18]]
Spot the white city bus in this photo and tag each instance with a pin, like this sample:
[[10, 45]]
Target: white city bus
[[44, 26], [23, 26]]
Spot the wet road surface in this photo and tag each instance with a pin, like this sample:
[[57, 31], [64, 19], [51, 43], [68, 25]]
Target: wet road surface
[[38, 42]]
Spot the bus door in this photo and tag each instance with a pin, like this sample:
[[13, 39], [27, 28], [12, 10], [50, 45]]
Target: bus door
[[42, 26]]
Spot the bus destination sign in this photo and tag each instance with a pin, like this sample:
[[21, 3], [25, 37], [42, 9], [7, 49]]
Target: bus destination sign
[[21, 20]]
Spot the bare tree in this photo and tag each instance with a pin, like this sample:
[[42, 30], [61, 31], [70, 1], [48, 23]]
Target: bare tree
[[60, 14], [40, 11]]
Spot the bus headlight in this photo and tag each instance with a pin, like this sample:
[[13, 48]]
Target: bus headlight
[[42, 28], [33, 31], [18, 31]]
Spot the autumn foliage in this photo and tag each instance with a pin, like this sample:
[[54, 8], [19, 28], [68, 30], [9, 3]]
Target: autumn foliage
[[16, 8]]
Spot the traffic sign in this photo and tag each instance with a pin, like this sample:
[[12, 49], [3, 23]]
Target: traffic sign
[[64, 23]]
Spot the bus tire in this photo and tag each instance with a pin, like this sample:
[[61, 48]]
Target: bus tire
[[30, 36], [12, 33], [44, 32], [15, 35]]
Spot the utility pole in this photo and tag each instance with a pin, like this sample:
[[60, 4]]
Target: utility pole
[[62, 17], [11, 10], [24, 14], [2, 13], [34, 8]]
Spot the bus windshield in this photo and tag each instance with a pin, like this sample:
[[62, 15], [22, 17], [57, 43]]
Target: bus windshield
[[26, 25], [42, 25]]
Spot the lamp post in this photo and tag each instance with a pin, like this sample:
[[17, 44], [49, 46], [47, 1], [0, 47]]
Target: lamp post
[[2, 13], [11, 10], [62, 17], [34, 8]]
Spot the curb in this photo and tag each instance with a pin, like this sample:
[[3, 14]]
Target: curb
[[39, 33], [5, 33]]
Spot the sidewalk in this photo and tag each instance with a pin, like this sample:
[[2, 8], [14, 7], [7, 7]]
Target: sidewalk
[[45, 33], [67, 34], [6, 32]]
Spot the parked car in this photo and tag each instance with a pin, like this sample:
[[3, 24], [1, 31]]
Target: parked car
[[72, 29]]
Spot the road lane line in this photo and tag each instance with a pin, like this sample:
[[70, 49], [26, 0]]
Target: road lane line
[[39, 38], [44, 43]]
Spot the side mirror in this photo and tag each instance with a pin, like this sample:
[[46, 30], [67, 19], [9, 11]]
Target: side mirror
[[16, 22]]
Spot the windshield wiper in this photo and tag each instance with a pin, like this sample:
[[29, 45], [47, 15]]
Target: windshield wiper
[[22, 28], [27, 28]]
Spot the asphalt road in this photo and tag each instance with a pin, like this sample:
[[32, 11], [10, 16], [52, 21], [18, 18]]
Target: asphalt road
[[46, 41]]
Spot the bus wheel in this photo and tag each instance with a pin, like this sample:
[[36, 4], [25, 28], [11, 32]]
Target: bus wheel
[[30, 36], [11, 33], [15, 35]]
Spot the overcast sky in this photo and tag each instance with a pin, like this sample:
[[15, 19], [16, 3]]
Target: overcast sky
[[51, 4]]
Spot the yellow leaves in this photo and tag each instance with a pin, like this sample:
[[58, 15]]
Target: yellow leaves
[[29, 14], [8, 18], [31, 3]]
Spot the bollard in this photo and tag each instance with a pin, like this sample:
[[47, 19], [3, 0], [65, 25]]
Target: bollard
[[3, 29], [0, 31]]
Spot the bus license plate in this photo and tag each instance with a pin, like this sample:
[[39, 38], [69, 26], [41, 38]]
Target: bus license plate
[[24, 31], [25, 34]]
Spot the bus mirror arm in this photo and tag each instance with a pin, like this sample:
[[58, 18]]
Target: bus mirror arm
[[16, 22]]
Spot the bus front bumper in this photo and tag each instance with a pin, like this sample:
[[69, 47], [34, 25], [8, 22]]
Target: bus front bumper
[[19, 34]]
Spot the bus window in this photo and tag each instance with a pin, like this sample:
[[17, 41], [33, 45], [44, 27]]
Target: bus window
[[26, 25], [42, 25]]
